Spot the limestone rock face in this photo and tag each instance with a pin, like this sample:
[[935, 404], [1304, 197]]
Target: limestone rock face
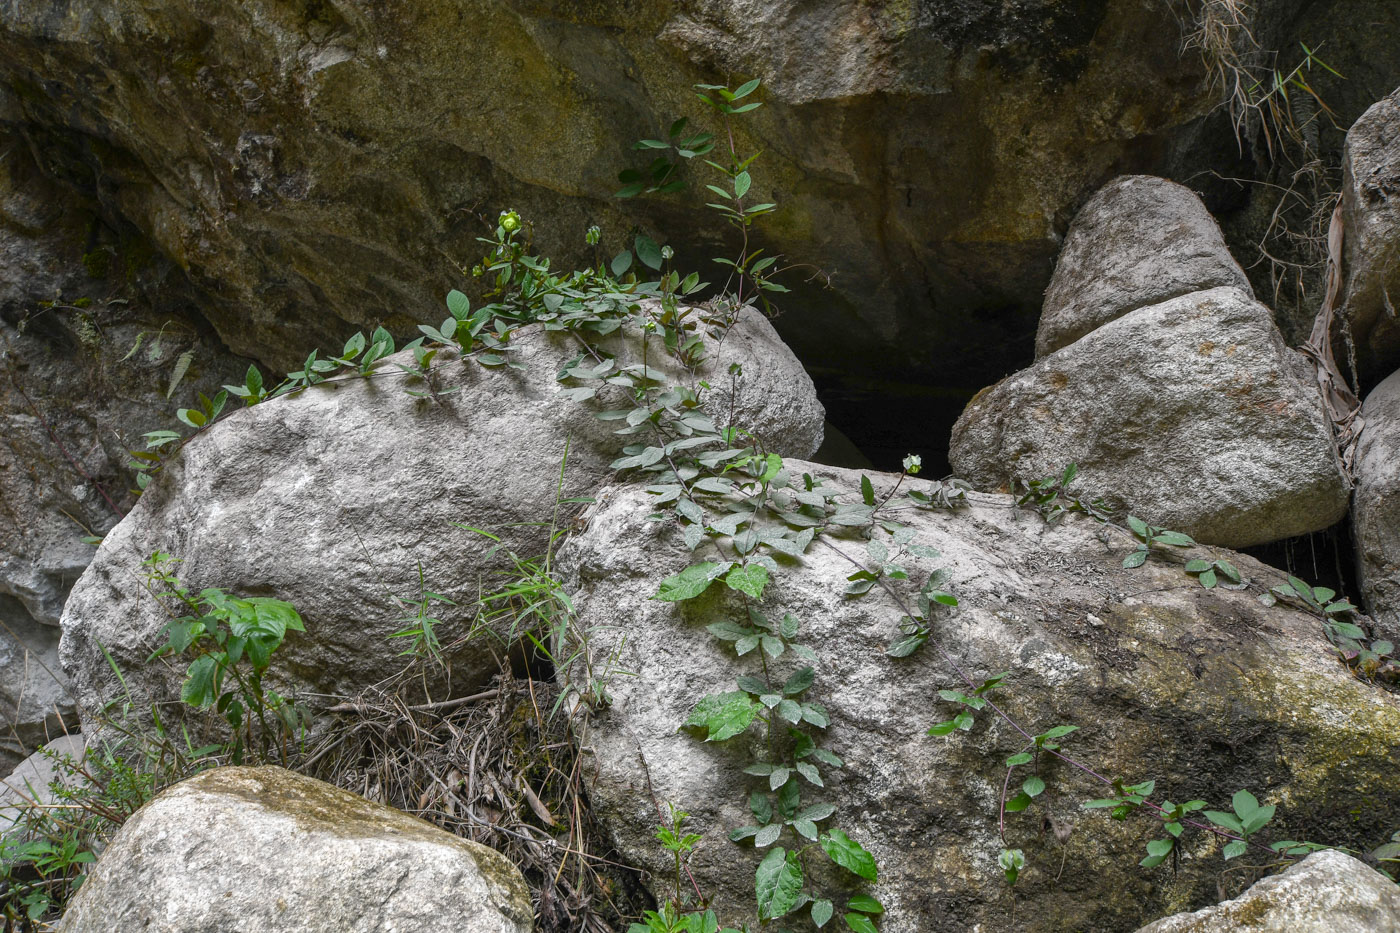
[[264, 850], [1192, 414], [322, 164], [1371, 215], [76, 391], [1327, 892], [35, 701], [1376, 504], [1138, 241], [1203, 691], [334, 499]]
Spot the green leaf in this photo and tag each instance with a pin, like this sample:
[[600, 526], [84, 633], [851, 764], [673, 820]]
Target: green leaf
[[1225, 821], [761, 807], [1236, 848], [800, 680], [865, 904], [817, 812], [622, 261], [1033, 786], [253, 379], [1018, 803], [648, 252], [1058, 732], [1348, 630], [199, 688], [1304, 591], [1208, 579], [789, 710], [723, 715], [745, 89], [849, 854], [182, 366], [903, 647], [859, 923], [1021, 758], [778, 884], [742, 181], [1258, 819], [768, 835], [1176, 539], [1197, 566], [1244, 803], [1135, 559], [822, 911], [1138, 526], [1011, 861], [867, 491], [689, 583], [749, 579], [458, 304]]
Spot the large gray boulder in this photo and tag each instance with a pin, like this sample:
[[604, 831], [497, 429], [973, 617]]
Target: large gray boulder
[[1192, 414], [264, 850], [1371, 217], [335, 498], [1166, 681], [1327, 892], [1138, 241], [1376, 504]]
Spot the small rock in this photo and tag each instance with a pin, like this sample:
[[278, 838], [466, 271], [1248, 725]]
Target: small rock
[[1138, 241], [265, 850], [1327, 892]]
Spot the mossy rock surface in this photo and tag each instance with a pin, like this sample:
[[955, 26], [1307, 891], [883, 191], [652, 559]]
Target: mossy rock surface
[[1203, 691], [265, 849]]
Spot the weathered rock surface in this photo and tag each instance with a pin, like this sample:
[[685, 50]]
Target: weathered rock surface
[[264, 850], [1192, 414], [76, 391], [314, 165], [1138, 241], [29, 782], [35, 697], [1203, 691], [1327, 892], [1371, 215], [1376, 505], [334, 498]]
